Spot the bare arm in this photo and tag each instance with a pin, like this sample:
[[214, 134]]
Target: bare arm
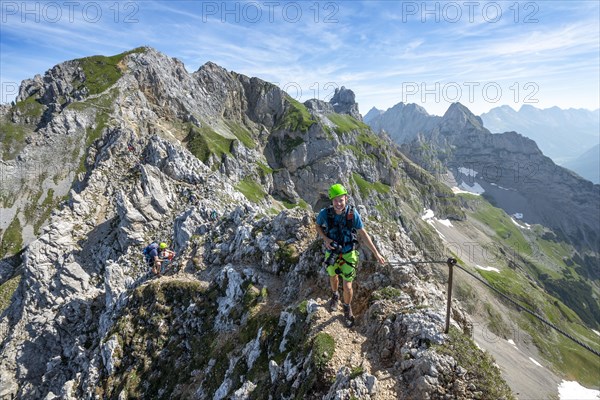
[[364, 236]]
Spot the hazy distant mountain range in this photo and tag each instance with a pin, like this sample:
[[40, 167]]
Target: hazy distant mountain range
[[569, 137], [562, 135], [587, 165]]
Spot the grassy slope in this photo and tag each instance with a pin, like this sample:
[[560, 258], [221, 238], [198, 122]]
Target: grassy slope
[[536, 261]]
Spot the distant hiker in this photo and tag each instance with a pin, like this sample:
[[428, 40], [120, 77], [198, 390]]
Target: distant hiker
[[166, 256], [339, 225], [152, 254]]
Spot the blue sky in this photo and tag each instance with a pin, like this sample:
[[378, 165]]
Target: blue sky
[[481, 53]]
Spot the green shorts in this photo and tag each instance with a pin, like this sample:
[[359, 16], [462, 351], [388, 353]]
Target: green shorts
[[346, 266]]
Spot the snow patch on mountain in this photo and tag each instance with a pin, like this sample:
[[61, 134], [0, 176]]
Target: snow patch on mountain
[[571, 390]]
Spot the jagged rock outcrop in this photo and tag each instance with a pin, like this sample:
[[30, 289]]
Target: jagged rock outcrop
[[344, 102], [193, 159]]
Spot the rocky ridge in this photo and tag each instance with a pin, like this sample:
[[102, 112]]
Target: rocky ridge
[[244, 316]]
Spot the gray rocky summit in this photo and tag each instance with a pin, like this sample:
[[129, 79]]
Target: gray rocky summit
[[403, 122], [344, 102]]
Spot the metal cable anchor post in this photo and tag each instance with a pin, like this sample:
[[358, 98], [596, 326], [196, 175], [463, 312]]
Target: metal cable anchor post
[[451, 263]]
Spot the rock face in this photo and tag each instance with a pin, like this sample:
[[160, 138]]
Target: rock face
[[343, 102], [403, 122], [204, 161]]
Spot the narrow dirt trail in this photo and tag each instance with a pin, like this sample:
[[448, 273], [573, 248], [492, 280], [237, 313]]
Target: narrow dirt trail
[[350, 348]]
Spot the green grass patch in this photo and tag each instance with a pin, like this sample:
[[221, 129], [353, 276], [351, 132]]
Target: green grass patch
[[264, 169], [242, 134], [575, 293], [12, 239], [44, 211], [356, 371], [572, 360], [502, 225], [7, 289], [251, 296], [548, 267], [496, 323], [103, 103], [7, 199], [557, 251], [103, 107], [387, 293], [564, 354], [93, 134], [251, 189], [204, 141], [287, 254], [323, 349], [466, 294], [514, 285], [150, 332], [367, 137], [395, 162], [365, 187], [346, 123], [481, 368], [296, 118], [32, 207], [301, 203], [30, 107], [303, 307], [12, 137], [102, 72]]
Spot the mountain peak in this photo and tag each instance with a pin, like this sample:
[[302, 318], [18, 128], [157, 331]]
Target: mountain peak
[[459, 117], [373, 113], [403, 122], [212, 67], [344, 102]]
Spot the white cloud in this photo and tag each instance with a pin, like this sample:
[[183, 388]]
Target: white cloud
[[372, 48]]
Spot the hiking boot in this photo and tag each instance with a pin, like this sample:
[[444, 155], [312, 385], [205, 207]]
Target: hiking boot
[[348, 315], [333, 303]]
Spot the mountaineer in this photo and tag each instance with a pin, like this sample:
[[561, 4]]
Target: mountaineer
[[154, 255], [166, 256], [340, 225]]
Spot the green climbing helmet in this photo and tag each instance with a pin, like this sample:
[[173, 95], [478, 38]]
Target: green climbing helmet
[[162, 246], [336, 190]]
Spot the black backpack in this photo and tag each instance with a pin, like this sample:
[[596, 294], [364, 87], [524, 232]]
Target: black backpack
[[349, 223]]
